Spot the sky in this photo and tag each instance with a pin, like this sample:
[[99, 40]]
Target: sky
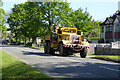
[[98, 9]]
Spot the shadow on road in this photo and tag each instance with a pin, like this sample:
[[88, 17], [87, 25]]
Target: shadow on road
[[38, 53], [78, 71], [35, 53], [44, 54], [3, 45]]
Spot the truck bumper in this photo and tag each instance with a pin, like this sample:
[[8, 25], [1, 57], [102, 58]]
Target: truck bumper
[[76, 47]]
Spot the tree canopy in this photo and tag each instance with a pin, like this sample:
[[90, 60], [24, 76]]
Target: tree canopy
[[35, 19], [2, 14]]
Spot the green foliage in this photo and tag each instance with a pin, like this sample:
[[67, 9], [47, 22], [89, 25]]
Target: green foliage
[[2, 14], [95, 37], [26, 20], [106, 57], [117, 12], [95, 32], [35, 19], [82, 20], [54, 13]]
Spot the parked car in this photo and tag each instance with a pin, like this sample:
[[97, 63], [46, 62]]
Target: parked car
[[4, 42]]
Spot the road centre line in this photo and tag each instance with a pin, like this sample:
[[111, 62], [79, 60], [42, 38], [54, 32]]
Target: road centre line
[[109, 68]]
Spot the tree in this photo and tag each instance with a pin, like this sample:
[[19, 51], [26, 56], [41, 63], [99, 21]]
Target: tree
[[37, 18], [25, 20], [55, 13], [2, 20], [2, 14], [96, 30], [82, 20]]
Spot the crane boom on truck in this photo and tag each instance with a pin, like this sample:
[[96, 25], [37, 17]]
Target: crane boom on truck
[[66, 41]]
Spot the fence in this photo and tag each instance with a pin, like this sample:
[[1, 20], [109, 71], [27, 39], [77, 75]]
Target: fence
[[93, 45], [109, 49]]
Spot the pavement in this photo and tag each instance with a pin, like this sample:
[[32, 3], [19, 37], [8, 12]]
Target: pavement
[[60, 67]]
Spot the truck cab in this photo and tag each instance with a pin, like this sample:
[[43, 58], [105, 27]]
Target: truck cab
[[66, 41]]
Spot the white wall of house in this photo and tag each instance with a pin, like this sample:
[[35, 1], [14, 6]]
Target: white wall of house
[[103, 33], [116, 27]]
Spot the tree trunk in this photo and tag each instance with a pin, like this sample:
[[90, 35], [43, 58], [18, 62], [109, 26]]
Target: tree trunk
[[25, 40], [33, 39], [16, 39], [29, 39]]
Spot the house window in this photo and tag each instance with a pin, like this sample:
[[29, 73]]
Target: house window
[[119, 27], [110, 27], [107, 28], [116, 27]]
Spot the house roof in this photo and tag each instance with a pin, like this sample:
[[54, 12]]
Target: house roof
[[118, 16], [110, 19]]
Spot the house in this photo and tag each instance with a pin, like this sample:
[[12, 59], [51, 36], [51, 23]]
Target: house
[[110, 29], [116, 34]]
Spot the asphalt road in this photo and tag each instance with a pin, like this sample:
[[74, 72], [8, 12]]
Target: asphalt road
[[64, 67]]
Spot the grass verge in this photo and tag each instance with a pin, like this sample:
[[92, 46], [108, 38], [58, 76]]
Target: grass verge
[[14, 69], [33, 47], [115, 58]]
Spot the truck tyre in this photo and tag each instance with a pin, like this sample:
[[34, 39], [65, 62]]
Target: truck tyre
[[83, 53], [49, 49], [52, 51], [61, 50], [69, 51]]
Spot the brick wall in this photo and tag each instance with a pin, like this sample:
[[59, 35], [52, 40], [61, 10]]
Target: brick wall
[[117, 35], [108, 35]]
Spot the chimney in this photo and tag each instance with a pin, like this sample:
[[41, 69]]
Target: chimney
[[119, 5]]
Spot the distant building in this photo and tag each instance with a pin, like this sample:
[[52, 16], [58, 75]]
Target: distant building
[[116, 29], [119, 5], [110, 29]]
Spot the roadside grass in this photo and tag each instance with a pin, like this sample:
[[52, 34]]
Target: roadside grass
[[115, 58], [37, 47], [12, 68], [42, 47], [107, 57]]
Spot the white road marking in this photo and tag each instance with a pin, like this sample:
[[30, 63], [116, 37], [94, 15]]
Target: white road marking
[[109, 68]]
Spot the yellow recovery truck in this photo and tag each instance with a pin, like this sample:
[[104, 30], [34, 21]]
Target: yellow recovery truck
[[66, 41]]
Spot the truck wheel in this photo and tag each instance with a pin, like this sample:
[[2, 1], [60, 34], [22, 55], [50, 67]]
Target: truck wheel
[[61, 50], [49, 49], [52, 51], [69, 51], [83, 53]]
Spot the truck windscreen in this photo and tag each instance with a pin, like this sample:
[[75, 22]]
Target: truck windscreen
[[69, 30]]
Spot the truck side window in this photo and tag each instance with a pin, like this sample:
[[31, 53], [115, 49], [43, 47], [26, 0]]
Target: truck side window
[[55, 37]]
